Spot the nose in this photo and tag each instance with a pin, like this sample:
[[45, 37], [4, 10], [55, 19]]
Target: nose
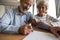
[[28, 7], [41, 9]]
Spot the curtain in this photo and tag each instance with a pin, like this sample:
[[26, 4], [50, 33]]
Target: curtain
[[57, 2]]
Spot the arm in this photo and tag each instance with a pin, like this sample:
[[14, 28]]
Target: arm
[[6, 27], [51, 18], [53, 30], [39, 23], [33, 22], [42, 25]]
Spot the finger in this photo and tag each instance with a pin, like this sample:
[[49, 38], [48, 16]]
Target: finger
[[28, 31], [58, 28], [25, 25], [35, 19], [25, 31], [56, 34], [30, 26], [21, 31]]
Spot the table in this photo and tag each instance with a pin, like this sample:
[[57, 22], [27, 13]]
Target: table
[[4, 36]]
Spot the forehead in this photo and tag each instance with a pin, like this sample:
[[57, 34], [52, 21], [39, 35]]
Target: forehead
[[29, 1], [41, 6]]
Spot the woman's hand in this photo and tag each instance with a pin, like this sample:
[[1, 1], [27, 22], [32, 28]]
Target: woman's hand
[[55, 31]]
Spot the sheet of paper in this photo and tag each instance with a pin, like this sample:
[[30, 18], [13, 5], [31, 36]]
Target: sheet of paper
[[35, 35], [56, 24]]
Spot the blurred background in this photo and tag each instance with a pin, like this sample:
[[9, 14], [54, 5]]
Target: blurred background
[[53, 7]]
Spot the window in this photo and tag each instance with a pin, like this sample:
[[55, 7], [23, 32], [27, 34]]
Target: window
[[51, 8]]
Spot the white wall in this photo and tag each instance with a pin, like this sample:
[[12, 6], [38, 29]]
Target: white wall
[[51, 8], [31, 9], [35, 8], [2, 10]]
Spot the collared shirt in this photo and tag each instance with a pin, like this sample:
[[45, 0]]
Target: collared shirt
[[12, 20]]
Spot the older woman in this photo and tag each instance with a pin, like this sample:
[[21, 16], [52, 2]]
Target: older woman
[[43, 20]]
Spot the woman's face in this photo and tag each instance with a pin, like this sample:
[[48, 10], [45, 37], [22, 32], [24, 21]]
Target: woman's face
[[42, 9]]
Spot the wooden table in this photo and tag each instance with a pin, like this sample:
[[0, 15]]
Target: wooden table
[[15, 36]]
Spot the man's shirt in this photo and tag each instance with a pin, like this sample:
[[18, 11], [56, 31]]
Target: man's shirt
[[12, 20]]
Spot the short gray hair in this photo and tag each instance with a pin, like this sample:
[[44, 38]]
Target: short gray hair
[[23, 0], [42, 2]]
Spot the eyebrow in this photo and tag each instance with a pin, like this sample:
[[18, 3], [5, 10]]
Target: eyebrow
[[27, 3]]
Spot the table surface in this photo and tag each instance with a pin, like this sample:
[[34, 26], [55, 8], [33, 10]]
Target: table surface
[[15, 36]]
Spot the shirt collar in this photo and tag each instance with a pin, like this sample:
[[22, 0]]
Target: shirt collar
[[18, 13]]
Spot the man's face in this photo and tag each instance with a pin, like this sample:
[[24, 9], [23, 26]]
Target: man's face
[[25, 5]]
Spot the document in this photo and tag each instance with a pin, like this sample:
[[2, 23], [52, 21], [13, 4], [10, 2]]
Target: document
[[56, 24], [36, 35]]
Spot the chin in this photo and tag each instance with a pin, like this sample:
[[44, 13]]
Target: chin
[[24, 11]]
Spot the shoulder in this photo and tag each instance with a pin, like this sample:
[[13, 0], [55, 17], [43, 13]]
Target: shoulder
[[29, 14], [10, 11], [48, 15]]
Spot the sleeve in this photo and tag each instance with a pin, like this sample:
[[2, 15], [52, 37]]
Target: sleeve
[[5, 25], [0, 24], [38, 25], [52, 18], [44, 26], [29, 17]]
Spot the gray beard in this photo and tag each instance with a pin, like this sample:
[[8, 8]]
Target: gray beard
[[22, 9]]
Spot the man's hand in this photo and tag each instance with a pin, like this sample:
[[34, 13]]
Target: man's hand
[[26, 29], [55, 31]]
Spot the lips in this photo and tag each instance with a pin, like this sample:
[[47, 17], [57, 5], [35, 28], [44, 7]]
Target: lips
[[25, 8]]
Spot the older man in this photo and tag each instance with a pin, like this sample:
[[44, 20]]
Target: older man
[[15, 20]]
